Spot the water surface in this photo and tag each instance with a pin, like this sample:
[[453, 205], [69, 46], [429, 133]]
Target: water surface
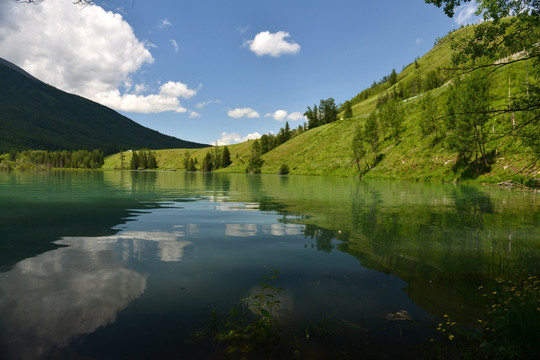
[[132, 264]]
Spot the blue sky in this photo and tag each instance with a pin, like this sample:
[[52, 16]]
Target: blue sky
[[216, 70]]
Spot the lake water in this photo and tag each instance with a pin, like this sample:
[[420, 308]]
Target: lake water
[[131, 265]]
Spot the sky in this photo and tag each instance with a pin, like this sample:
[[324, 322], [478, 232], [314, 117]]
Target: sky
[[219, 71]]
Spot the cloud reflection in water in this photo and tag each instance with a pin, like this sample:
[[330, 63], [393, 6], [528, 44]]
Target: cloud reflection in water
[[48, 300]]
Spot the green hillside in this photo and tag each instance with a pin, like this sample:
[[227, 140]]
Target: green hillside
[[414, 154], [34, 115]]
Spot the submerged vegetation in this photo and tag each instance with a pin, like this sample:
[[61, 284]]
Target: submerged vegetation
[[508, 330], [510, 326], [251, 326]]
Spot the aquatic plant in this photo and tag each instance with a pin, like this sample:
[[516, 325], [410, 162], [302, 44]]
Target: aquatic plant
[[510, 329], [251, 325]]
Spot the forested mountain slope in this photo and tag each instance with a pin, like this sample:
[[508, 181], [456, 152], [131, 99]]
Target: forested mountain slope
[[34, 115]]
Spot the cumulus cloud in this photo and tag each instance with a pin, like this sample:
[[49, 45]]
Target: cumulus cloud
[[466, 13], [242, 113], [165, 100], [296, 116], [281, 115], [273, 44], [89, 52], [234, 138], [177, 89], [175, 45]]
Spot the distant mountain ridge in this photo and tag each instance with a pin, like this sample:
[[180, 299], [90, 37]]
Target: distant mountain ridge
[[34, 115]]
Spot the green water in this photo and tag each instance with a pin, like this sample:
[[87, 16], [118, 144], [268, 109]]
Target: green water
[[130, 265]]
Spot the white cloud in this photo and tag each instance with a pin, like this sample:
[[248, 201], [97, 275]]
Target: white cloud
[[234, 138], [164, 22], [90, 52], [466, 13], [175, 45], [296, 116], [242, 30], [205, 103], [194, 114], [140, 88], [165, 100], [266, 43], [177, 89], [418, 41], [243, 112], [279, 115]]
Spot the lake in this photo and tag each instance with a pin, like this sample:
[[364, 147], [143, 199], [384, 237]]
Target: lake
[[139, 265]]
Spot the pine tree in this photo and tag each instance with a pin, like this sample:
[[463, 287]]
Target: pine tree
[[225, 157], [192, 166], [359, 148], [255, 162], [393, 77], [134, 164], [429, 122], [216, 157], [347, 110], [371, 135], [208, 163], [468, 112], [187, 158]]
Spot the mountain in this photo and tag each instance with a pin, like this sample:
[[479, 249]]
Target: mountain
[[34, 115]]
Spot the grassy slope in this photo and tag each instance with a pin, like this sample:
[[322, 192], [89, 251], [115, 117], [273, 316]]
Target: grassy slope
[[326, 150]]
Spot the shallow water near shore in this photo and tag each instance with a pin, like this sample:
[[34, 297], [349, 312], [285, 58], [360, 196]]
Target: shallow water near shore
[[122, 265]]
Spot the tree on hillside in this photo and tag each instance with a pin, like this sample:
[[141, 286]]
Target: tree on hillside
[[468, 112], [284, 134], [192, 165], [324, 114], [255, 161], [371, 135], [393, 77], [313, 117], [134, 163], [347, 110], [391, 115], [208, 162], [266, 143], [122, 161], [187, 157], [430, 121], [225, 157], [143, 159], [216, 156], [510, 27], [329, 110], [359, 147]]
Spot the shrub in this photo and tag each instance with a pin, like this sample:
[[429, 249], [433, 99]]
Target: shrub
[[283, 169]]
